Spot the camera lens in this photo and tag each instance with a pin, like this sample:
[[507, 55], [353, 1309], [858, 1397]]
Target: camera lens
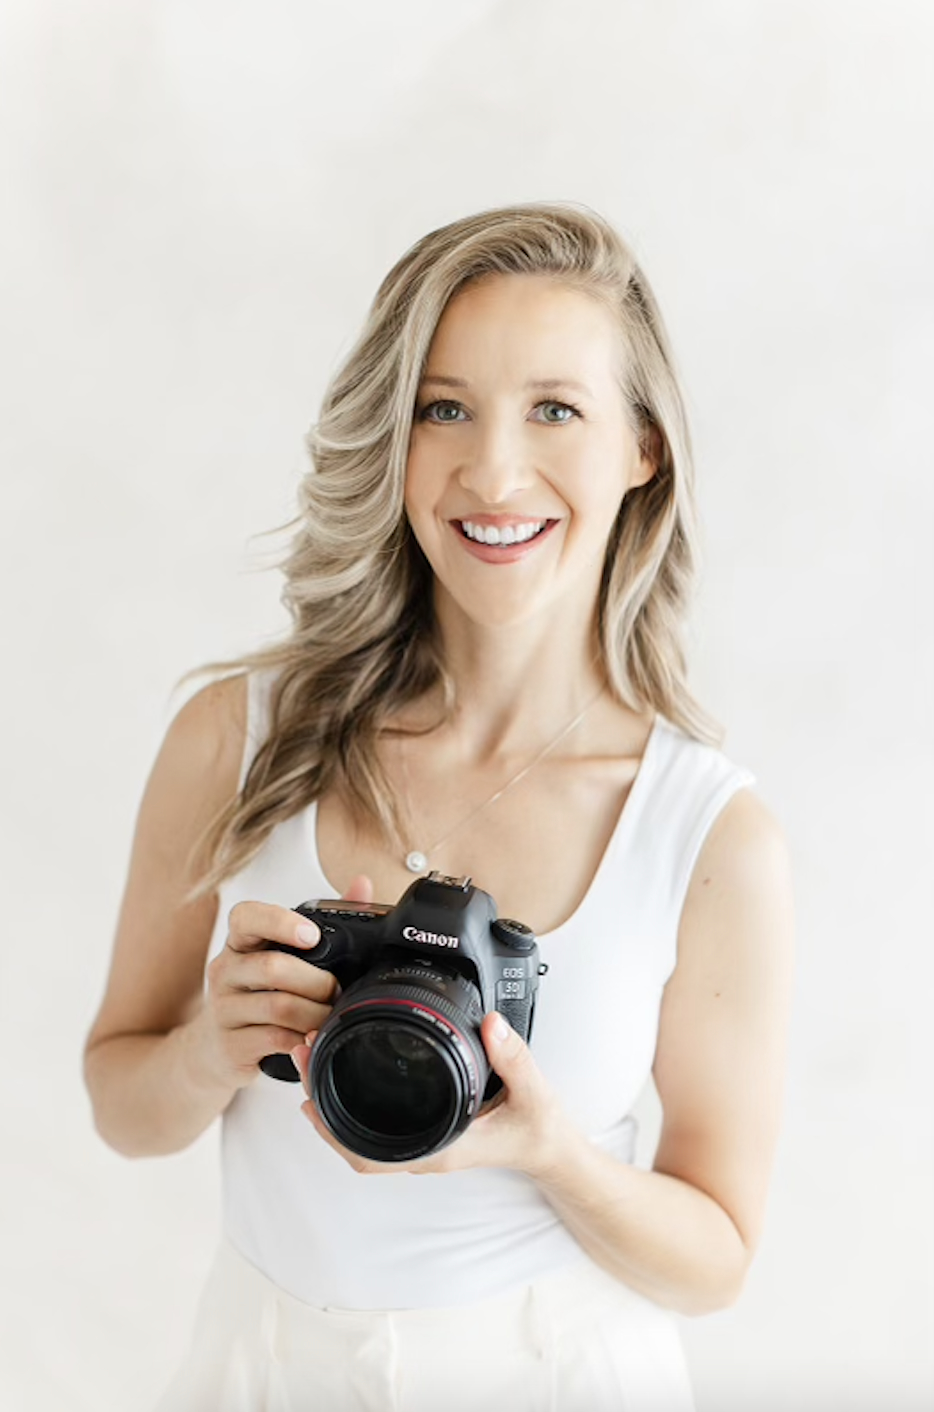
[[399, 1069], [393, 1082]]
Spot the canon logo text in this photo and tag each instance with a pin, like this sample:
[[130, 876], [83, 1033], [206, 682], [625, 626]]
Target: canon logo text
[[435, 938]]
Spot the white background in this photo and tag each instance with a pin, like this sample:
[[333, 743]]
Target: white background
[[204, 196]]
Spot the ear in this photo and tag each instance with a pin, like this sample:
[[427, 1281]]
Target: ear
[[651, 453]]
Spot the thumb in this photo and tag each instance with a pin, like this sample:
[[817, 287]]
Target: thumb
[[359, 889], [508, 1053]]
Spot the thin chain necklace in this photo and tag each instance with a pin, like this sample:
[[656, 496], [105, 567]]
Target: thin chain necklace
[[416, 860]]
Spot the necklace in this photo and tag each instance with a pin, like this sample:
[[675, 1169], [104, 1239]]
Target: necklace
[[416, 860]]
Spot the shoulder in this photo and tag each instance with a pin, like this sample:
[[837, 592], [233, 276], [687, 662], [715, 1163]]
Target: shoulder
[[219, 707], [692, 793], [685, 756], [745, 848], [738, 915], [210, 728], [197, 769]]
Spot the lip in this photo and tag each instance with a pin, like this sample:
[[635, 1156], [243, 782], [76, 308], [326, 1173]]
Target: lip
[[502, 553]]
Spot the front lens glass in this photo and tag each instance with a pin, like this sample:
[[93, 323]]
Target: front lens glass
[[392, 1080]]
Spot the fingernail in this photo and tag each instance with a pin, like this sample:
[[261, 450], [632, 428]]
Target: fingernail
[[307, 933], [500, 1028], [297, 1062]]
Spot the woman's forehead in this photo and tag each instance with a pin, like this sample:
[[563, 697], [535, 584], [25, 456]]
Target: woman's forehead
[[560, 334]]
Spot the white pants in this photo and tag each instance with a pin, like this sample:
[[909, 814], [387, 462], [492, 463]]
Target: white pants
[[575, 1341]]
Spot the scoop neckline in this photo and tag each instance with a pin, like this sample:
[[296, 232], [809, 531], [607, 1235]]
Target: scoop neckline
[[622, 826]]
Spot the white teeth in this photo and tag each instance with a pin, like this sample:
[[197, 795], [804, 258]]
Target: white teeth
[[509, 534]]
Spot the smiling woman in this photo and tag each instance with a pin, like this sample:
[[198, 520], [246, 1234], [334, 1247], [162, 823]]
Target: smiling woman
[[505, 475], [489, 569]]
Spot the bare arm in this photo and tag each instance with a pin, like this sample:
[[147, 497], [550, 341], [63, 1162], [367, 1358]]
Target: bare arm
[[684, 1233], [162, 1061]]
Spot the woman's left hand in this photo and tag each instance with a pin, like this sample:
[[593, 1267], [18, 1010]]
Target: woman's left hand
[[520, 1130]]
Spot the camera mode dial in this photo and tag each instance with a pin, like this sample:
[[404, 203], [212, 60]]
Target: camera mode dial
[[516, 935]]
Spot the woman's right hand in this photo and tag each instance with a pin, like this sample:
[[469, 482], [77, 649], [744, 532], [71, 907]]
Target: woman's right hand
[[259, 1001]]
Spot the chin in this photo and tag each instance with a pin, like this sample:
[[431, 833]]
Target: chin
[[497, 611]]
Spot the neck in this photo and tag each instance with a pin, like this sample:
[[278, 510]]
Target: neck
[[517, 684]]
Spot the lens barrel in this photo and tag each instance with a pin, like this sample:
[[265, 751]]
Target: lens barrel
[[399, 1070]]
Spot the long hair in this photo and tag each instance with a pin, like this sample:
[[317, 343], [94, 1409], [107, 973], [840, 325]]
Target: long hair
[[357, 587]]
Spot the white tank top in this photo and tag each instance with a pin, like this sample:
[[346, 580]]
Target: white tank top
[[330, 1236]]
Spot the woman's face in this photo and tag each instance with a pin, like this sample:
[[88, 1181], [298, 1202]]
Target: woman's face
[[521, 448]]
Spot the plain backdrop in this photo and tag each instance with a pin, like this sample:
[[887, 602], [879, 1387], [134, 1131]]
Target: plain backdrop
[[200, 200]]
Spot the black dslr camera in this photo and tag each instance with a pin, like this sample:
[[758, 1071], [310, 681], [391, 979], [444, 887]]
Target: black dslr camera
[[399, 1070]]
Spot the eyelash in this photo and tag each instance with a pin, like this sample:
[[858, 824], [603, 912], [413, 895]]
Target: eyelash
[[449, 402]]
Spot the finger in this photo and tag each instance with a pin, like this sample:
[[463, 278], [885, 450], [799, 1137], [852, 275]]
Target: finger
[[508, 1054], [359, 889], [271, 1007], [278, 971], [248, 1044], [300, 1057], [250, 925]]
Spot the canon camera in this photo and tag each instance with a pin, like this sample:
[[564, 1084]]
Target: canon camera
[[398, 1069]]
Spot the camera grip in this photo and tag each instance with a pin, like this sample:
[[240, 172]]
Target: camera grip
[[280, 1066], [520, 1014]]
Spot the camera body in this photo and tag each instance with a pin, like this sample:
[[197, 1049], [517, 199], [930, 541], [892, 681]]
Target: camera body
[[398, 1070]]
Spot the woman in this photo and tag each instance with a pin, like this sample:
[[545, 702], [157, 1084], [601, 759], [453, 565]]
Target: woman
[[484, 677]]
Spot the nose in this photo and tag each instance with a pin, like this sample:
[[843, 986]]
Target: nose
[[497, 464]]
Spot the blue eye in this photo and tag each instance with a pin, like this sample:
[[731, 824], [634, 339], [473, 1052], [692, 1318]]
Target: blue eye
[[441, 412], [557, 413], [554, 414]]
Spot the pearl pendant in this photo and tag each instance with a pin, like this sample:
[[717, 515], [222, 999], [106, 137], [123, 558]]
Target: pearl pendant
[[416, 862]]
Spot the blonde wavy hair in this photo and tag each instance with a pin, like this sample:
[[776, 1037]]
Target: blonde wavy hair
[[357, 587]]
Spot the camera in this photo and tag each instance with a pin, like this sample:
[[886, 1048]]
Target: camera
[[398, 1069]]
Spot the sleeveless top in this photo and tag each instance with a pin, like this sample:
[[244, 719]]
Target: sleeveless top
[[332, 1237]]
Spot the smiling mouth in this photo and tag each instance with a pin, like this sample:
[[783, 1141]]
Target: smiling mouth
[[502, 535]]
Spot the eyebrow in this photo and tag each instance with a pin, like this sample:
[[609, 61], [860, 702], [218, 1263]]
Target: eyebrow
[[536, 385]]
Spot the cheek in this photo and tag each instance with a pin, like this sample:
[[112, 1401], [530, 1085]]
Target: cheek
[[420, 501], [599, 480], [417, 485], [593, 485]]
